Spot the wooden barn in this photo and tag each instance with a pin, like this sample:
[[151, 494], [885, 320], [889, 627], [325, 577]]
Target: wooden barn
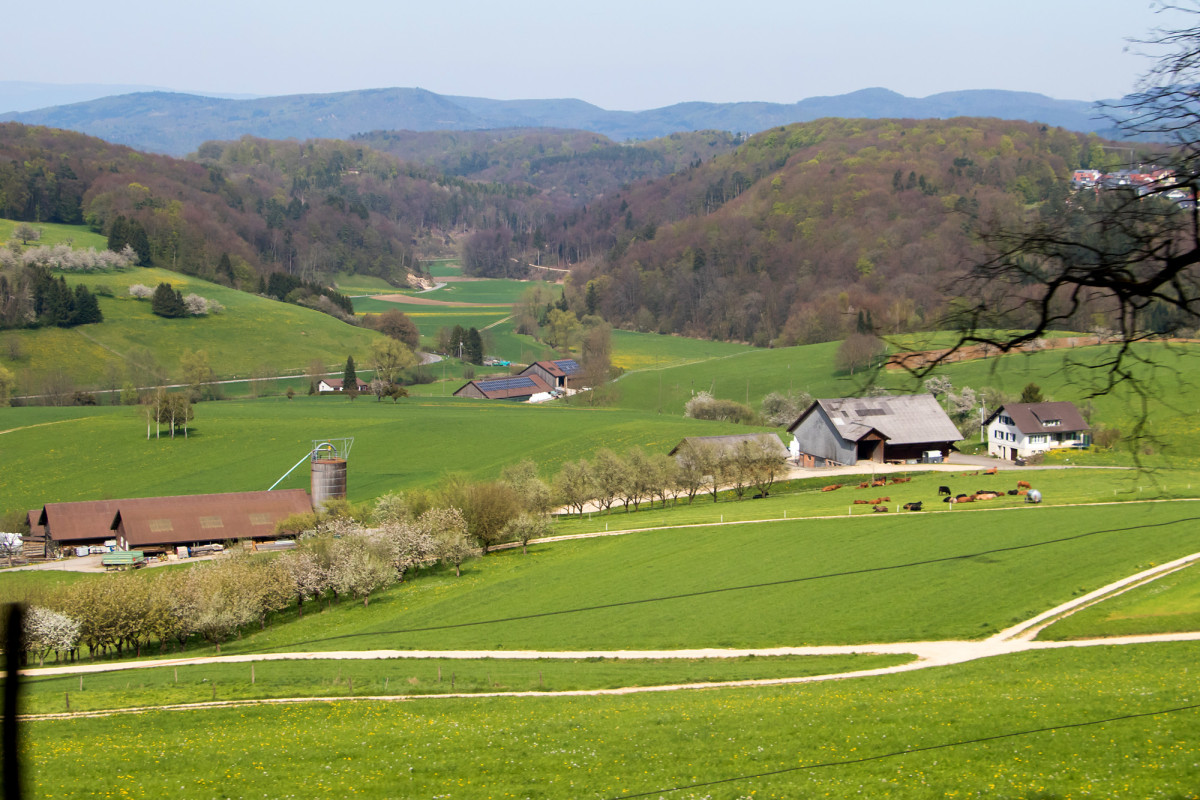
[[563, 373], [844, 431]]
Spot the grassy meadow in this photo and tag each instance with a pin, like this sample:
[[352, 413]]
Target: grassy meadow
[[1167, 605], [916, 735], [80, 237]]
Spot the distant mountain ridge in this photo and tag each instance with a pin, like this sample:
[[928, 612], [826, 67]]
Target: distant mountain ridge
[[176, 123]]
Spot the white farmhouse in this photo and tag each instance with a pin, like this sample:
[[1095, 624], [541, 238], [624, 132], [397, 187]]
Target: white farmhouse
[[1019, 430]]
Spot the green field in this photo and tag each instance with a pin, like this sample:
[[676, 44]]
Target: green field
[[1167, 605], [811, 582], [78, 236], [398, 677], [876, 735], [252, 333], [60, 454], [442, 267]]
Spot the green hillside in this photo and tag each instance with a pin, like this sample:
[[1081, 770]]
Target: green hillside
[[252, 333]]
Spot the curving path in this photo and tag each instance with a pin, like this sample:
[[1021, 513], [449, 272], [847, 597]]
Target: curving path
[[1018, 638]]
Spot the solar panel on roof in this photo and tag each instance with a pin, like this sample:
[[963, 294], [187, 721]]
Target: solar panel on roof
[[567, 365], [504, 384]]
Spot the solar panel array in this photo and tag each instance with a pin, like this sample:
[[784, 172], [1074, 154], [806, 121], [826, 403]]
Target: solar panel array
[[504, 384], [567, 365]]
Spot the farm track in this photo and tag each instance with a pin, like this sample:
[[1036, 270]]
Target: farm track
[[1015, 639]]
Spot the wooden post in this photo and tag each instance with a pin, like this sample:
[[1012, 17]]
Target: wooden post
[[251, 674], [176, 675], [385, 683], [439, 673], [81, 683], [350, 684], [68, 697]]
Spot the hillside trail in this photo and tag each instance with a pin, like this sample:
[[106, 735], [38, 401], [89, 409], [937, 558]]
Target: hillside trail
[[929, 654]]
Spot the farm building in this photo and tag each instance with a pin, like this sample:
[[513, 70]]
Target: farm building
[[847, 430], [150, 523], [330, 385], [521, 388], [562, 373], [727, 444], [1019, 430]]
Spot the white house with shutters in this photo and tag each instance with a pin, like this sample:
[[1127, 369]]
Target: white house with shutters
[[1019, 430]]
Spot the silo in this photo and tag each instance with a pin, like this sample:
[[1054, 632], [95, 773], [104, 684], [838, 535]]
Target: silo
[[328, 481], [329, 457]]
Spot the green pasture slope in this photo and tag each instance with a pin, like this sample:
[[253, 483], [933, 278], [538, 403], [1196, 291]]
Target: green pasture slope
[[802, 582], [60, 454], [916, 735], [1168, 605], [78, 236], [252, 333]]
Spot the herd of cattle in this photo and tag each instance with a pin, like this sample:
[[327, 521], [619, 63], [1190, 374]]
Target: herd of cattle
[[1023, 489]]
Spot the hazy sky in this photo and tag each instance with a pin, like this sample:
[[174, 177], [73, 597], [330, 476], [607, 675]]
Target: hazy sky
[[619, 54]]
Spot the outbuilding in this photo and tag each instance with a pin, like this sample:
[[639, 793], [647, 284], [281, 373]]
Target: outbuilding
[[520, 388], [846, 430]]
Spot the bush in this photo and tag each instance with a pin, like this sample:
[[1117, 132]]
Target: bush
[[705, 406]]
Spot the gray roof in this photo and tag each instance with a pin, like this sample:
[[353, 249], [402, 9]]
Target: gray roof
[[903, 419], [1032, 417], [727, 443]]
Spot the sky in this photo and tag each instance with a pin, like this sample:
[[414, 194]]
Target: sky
[[619, 54]]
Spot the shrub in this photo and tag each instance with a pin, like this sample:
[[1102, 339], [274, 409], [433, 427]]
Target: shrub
[[705, 406]]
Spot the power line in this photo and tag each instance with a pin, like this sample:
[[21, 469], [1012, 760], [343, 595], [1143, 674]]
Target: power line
[[726, 589], [894, 754]]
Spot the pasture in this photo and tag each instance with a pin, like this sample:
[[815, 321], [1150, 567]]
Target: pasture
[[79, 237], [804, 582], [399, 677], [1096, 722], [1168, 605], [251, 334], [61, 454]]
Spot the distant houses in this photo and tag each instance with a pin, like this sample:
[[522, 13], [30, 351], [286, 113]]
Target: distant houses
[[333, 385], [847, 430], [1020, 430]]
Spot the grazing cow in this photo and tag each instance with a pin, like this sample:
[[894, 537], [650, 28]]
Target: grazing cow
[[862, 502], [879, 509], [912, 506], [831, 487], [1023, 485], [944, 490]]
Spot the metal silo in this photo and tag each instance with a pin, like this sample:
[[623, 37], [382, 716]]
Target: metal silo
[[329, 458]]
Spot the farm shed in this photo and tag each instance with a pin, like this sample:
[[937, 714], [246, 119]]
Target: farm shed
[[520, 388], [162, 522], [76, 524], [1017, 430], [35, 543], [847, 430], [559, 374], [727, 444]]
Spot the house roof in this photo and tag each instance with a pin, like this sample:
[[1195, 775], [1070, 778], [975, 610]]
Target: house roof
[[1032, 417], [902, 419], [205, 517], [508, 388], [726, 443], [336, 383], [36, 529]]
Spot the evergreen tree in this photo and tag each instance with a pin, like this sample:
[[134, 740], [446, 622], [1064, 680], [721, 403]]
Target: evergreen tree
[[168, 302], [473, 349], [225, 269], [350, 378], [1032, 393], [87, 307]]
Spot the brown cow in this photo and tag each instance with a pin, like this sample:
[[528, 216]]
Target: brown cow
[[831, 487], [864, 485], [879, 509], [986, 495], [1023, 485], [862, 502], [991, 471], [879, 482]]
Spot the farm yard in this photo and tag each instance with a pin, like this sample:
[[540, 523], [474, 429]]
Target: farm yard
[[799, 644]]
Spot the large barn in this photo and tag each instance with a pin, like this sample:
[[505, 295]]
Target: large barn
[[562, 373], [520, 388], [161, 523], [847, 430]]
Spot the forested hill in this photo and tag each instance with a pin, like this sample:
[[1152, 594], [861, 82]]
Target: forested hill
[[806, 229], [175, 123], [569, 166], [309, 209]]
